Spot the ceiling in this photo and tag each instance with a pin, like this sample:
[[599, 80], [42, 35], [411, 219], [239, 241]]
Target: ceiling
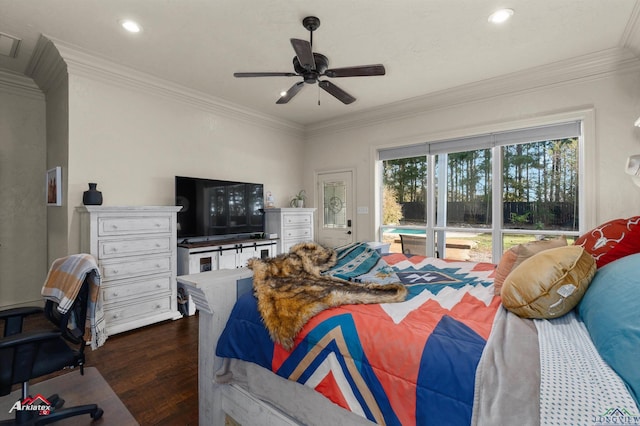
[[426, 45]]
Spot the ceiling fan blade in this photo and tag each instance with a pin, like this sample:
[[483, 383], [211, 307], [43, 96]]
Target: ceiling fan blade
[[264, 74], [304, 53], [359, 71], [334, 90], [290, 93]]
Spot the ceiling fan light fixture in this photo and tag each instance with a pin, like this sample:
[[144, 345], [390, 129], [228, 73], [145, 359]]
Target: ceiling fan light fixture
[[311, 66], [130, 26], [500, 16]]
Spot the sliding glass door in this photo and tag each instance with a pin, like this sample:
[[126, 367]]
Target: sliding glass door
[[473, 198]]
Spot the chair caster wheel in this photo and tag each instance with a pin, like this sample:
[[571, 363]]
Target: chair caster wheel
[[55, 401], [58, 404], [97, 414]]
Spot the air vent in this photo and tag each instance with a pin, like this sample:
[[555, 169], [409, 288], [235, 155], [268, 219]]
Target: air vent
[[9, 45]]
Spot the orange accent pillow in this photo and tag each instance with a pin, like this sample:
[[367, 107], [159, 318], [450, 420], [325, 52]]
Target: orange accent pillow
[[612, 240], [518, 254]]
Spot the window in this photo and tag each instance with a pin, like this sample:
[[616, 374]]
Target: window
[[473, 198]]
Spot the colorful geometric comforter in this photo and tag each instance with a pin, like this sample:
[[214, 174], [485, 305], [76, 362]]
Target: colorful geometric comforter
[[404, 363]]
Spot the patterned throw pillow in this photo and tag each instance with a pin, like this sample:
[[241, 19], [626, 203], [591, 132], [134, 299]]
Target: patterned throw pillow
[[612, 240], [518, 254]]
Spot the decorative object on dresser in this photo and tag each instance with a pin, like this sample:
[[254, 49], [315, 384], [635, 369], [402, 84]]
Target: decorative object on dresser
[[136, 251], [92, 197], [293, 225], [298, 199]]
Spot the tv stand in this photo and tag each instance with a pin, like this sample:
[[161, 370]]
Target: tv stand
[[203, 256]]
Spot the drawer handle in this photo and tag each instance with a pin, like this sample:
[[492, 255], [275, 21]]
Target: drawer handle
[[115, 294], [114, 316], [115, 271], [114, 226], [158, 285], [157, 225], [158, 244], [158, 306], [113, 249]]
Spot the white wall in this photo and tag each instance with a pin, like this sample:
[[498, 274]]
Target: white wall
[[128, 135], [23, 212], [57, 152], [133, 142], [614, 100]]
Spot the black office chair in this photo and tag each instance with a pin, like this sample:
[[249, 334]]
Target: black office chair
[[30, 354]]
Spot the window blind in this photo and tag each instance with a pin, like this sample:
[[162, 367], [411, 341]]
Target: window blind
[[510, 137]]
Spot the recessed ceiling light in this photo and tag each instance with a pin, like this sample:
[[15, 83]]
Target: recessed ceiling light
[[499, 16], [131, 26]]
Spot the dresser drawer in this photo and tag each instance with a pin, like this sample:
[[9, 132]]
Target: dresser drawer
[[127, 290], [135, 311], [119, 269], [120, 225], [118, 248], [297, 233], [296, 220]]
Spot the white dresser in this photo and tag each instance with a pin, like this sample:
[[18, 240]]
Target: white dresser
[[293, 226], [136, 250]]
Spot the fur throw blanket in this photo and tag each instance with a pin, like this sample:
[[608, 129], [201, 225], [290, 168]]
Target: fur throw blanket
[[291, 290]]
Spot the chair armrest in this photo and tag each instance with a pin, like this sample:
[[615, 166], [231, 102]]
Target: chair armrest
[[13, 318], [28, 337]]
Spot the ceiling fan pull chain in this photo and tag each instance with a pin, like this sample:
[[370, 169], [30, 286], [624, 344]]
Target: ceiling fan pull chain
[[318, 95]]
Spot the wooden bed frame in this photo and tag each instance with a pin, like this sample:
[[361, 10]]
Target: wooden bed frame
[[215, 294]]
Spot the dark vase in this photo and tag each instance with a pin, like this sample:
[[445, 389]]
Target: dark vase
[[92, 197]]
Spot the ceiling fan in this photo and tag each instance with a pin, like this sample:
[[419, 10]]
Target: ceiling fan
[[312, 66]]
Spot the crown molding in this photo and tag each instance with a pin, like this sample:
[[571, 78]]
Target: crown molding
[[18, 84], [631, 35], [571, 71], [46, 66], [85, 64], [54, 59]]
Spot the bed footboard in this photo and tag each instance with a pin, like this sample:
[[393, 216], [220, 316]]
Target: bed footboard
[[214, 293]]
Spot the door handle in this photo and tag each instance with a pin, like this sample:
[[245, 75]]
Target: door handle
[[349, 223], [348, 232]]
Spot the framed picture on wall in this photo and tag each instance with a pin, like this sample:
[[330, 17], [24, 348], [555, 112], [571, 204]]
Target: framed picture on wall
[[54, 186]]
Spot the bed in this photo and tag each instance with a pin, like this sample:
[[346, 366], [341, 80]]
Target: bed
[[448, 354]]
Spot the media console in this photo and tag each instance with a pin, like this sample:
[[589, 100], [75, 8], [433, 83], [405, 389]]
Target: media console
[[205, 256]]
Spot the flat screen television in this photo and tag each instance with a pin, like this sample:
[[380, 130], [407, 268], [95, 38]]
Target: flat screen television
[[218, 208]]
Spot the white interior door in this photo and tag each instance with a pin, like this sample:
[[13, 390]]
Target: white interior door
[[335, 212]]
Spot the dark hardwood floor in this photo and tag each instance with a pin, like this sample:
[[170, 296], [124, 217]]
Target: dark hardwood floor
[[153, 369]]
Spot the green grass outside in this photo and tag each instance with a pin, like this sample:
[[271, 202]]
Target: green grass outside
[[484, 240]]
